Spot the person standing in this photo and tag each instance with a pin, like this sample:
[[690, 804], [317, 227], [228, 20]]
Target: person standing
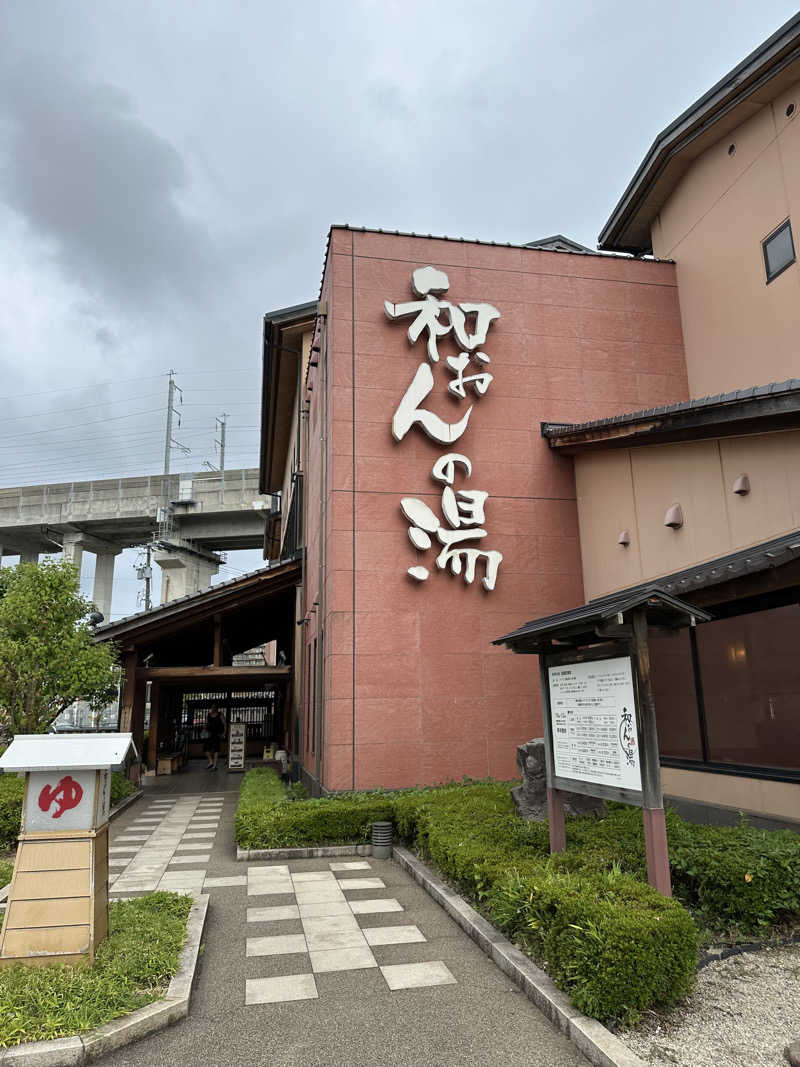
[[215, 728]]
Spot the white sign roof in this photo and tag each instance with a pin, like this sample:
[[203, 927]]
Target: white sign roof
[[48, 752]]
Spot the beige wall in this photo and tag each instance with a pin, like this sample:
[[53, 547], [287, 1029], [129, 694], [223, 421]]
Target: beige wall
[[738, 331], [632, 489], [779, 799]]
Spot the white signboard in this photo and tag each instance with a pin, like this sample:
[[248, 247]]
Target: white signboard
[[593, 722], [60, 800], [237, 736]]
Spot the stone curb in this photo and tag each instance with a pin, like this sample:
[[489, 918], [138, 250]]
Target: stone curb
[[302, 853], [69, 1051], [598, 1044], [125, 803]]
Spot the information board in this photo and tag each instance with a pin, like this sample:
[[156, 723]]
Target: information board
[[593, 723], [237, 735]]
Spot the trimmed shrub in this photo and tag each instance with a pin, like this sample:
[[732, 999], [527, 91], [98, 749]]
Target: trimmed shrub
[[619, 948], [736, 878], [12, 790], [261, 791], [323, 821], [613, 943], [121, 787]]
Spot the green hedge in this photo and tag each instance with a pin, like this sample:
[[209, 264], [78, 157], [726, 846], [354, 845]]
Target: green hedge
[[266, 819], [121, 787], [614, 944], [261, 791], [12, 790]]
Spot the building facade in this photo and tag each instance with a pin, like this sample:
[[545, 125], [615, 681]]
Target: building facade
[[466, 436]]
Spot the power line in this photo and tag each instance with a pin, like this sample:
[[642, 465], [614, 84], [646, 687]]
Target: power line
[[88, 385], [105, 462], [132, 438], [87, 407], [80, 425]]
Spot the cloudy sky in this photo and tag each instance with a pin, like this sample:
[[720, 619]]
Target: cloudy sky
[[169, 171]]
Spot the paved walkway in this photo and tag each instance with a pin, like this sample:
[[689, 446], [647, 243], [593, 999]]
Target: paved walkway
[[317, 963]]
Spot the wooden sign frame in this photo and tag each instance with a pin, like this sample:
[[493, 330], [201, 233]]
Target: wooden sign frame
[[632, 645]]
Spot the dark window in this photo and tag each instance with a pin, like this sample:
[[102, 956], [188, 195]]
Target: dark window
[[675, 695], [778, 250], [309, 700], [750, 670], [314, 700]]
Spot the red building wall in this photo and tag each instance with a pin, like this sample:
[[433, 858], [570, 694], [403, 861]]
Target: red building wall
[[414, 691]]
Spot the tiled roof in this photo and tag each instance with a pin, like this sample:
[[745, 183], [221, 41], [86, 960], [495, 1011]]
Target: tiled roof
[[554, 430], [189, 598]]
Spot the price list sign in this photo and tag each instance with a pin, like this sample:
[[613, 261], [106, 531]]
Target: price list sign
[[593, 721], [236, 743]]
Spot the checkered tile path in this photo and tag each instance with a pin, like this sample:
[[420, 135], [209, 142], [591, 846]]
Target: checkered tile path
[[333, 937], [166, 847]]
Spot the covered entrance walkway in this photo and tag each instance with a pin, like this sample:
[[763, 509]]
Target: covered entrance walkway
[[231, 646]]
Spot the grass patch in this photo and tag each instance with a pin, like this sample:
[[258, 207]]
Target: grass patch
[[132, 967], [587, 915], [6, 870]]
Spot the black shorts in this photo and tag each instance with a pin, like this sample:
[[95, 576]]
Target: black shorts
[[213, 744]]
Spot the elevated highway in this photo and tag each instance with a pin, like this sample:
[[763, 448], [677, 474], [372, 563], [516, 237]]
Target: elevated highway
[[187, 518]]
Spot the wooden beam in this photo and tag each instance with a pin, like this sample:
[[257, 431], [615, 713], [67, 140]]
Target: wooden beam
[[156, 674]]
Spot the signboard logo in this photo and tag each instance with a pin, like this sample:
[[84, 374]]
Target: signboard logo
[[460, 534], [627, 737], [66, 794]]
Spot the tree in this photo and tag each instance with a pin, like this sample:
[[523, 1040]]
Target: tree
[[48, 658]]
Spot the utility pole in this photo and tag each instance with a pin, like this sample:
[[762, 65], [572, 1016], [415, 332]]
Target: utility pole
[[168, 443], [148, 577], [221, 441], [144, 571]]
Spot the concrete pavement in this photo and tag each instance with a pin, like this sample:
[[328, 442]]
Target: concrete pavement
[[294, 922]]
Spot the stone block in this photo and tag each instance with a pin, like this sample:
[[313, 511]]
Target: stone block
[[530, 798]]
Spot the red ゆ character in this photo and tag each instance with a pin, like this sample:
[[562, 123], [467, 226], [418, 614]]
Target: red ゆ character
[[67, 794]]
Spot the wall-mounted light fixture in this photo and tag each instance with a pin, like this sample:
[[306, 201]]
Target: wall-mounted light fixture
[[742, 485], [674, 517], [624, 538]]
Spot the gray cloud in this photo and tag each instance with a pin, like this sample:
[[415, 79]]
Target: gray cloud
[[90, 177]]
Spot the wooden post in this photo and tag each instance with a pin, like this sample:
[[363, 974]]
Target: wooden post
[[555, 801], [130, 661], [217, 640], [155, 716], [655, 827], [137, 717]]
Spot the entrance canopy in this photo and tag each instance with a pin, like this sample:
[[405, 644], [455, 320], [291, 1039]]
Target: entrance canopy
[[229, 646]]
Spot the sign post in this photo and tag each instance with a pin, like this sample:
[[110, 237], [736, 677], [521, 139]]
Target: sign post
[[237, 737], [57, 908], [601, 741]]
